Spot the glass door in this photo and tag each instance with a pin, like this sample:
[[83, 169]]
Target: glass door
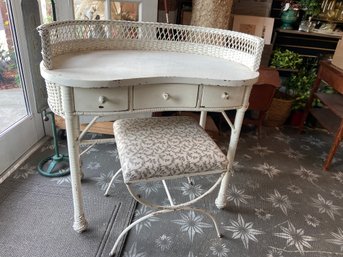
[[20, 124], [12, 103]]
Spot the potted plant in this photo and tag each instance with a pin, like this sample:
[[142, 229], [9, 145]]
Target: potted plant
[[286, 59], [289, 13], [298, 87], [281, 106], [310, 8]]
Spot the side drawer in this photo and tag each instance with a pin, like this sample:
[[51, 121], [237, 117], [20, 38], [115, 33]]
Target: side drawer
[[218, 96], [101, 99], [165, 96]]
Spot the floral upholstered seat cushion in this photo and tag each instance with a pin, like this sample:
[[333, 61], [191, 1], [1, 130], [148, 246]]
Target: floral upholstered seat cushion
[[165, 147]]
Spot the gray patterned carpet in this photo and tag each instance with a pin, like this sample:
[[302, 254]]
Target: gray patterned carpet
[[280, 204], [36, 213]]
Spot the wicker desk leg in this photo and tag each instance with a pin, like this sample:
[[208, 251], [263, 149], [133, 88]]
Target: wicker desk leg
[[235, 132], [221, 199], [203, 118], [73, 130]]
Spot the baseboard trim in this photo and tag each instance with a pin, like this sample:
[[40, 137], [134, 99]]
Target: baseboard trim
[[23, 158]]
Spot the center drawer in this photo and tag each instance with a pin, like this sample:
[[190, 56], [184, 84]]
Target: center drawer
[[165, 96], [101, 99], [222, 97]]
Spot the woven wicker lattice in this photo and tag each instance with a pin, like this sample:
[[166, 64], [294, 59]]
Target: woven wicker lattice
[[79, 35], [73, 36], [54, 98]]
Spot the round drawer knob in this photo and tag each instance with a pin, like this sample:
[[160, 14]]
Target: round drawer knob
[[102, 99], [225, 95], [165, 96]]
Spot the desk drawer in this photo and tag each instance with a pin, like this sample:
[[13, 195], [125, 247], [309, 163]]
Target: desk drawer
[[217, 96], [101, 99], [165, 96]]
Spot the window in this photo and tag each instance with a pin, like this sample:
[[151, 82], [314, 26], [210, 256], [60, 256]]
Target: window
[[134, 10]]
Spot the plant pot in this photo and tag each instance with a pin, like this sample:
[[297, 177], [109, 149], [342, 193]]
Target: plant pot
[[288, 18], [278, 112], [296, 118]]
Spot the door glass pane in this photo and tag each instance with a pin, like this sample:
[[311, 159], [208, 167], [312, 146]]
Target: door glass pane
[[96, 10], [46, 10], [89, 9], [124, 11], [12, 100]]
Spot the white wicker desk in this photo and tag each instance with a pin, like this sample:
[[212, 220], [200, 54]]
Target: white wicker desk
[[133, 76]]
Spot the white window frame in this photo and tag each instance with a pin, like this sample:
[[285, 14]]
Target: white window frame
[[147, 9]]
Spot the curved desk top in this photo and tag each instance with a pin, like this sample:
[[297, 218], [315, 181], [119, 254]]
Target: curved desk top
[[109, 68]]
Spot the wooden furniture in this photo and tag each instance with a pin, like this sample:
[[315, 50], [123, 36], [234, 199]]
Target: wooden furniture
[[307, 44], [331, 115], [261, 96], [183, 6], [104, 127], [276, 10], [103, 68]]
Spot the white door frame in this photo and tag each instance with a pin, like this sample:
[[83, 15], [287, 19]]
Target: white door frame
[[147, 9], [17, 140]]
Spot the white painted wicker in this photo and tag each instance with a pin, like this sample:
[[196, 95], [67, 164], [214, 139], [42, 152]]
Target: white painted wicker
[[66, 37], [81, 35]]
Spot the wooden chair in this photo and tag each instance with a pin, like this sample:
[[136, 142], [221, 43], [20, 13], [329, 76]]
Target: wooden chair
[[261, 96], [330, 116]]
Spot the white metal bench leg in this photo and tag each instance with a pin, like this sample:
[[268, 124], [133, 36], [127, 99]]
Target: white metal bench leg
[[134, 224], [168, 193], [166, 209], [215, 223], [127, 229], [111, 182], [190, 181], [177, 206]]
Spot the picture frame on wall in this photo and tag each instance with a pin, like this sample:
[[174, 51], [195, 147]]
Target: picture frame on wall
[[254, 25]]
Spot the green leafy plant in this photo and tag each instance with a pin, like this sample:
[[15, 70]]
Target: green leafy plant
[[311, 7], [285, 4], [286, 59], [299, 85], [8, 67], [3, 64]]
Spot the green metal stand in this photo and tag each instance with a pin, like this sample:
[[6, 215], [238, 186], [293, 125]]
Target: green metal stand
[[56, 165]]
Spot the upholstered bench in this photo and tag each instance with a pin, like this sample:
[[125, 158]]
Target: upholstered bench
[[161, 148]]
